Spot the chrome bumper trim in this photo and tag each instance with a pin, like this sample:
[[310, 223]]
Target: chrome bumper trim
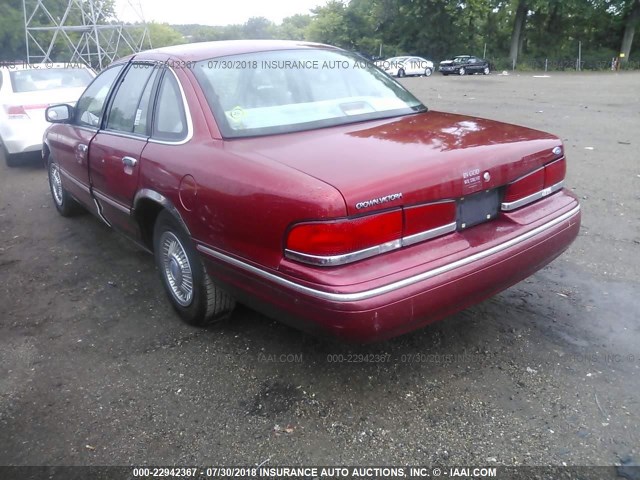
[[366, 294]]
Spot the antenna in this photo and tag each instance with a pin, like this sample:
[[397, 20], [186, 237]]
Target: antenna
[[83, 31]]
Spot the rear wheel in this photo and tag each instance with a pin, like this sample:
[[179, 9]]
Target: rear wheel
[[401, 73], [64, 202], [189, 288], [462, 71], [486, 70]]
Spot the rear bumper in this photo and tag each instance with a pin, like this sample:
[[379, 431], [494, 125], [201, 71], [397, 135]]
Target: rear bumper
[[390, 306], [21, 136]]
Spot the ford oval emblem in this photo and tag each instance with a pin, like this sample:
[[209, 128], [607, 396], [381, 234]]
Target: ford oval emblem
[[486, 176], [557, 151]]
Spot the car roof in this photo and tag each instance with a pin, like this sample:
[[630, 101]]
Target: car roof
[[204, 50]]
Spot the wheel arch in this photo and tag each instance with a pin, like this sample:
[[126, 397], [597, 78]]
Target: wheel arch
[[46, 152], [147, 205]]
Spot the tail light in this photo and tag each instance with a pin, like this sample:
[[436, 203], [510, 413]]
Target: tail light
[[535, 185], [554, 173], [428, 221], [525, 186], [16, 111], [347, 240], [20, 111]]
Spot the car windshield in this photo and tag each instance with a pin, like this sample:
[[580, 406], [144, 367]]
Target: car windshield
[[33, 79], [284, 91], [460, 59]]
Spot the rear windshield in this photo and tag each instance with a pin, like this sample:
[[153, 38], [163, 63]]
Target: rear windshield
[[291, 90], [34, 80]]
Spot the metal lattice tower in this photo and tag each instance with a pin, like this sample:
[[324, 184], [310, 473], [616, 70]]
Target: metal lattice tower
[[83, 31]]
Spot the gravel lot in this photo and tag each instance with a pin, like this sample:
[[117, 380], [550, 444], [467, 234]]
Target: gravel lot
[[95, 368]]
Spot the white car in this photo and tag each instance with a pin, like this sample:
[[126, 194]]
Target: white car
[[406, 66], [26, 90]]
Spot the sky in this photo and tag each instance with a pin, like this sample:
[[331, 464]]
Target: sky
[[210, 12]]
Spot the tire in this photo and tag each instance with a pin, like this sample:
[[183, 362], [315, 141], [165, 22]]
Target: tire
[[486, 71], [66, 205], [462, 71], [428, 72], [401, 73], [190, 290]]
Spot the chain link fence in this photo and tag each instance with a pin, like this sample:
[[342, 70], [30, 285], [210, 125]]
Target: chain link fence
[[561, 64]]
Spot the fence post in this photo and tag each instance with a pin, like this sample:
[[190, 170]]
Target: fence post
[[546, 64], [579, 61], [513, 66]]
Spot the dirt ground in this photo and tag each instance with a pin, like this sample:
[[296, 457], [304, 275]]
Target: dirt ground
[[96, 369]]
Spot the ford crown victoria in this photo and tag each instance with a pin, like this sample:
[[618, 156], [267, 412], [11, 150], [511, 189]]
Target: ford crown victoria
[[293, 178]]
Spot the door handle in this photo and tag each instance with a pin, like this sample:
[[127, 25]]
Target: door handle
[[129, 161], [81, 153]]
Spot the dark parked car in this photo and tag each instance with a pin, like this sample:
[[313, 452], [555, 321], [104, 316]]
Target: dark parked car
[[465, 65], [325, 195]]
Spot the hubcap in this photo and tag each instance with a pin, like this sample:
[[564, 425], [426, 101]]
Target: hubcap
[[176, 269], [56, 183]]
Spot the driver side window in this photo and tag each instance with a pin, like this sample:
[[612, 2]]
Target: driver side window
[[91, 104]]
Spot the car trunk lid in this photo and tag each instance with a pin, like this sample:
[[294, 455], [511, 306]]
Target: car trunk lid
[[32, 105], [409, 160]]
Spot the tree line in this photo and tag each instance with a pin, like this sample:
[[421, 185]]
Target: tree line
[[505, 31]]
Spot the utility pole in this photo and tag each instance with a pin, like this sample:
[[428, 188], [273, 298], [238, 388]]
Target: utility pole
[[94, 37]]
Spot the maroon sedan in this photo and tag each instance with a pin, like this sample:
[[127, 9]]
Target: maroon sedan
[[298, 179]]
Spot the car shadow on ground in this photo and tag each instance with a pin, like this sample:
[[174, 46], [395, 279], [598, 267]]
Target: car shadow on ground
[[27, 161]]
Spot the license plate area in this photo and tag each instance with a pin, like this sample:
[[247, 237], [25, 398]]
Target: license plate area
[[478, 208]]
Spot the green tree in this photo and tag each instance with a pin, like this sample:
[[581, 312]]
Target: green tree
[[12, 41], [258, 28], [163, 35], [330, 25], [294, 27]]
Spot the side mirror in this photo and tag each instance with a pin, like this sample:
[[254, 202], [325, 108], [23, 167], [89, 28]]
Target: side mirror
[[59, 113]]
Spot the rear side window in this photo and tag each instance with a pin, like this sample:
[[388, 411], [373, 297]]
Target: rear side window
[[127, 109], [92, 102], [143, 113], [170, 122]]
